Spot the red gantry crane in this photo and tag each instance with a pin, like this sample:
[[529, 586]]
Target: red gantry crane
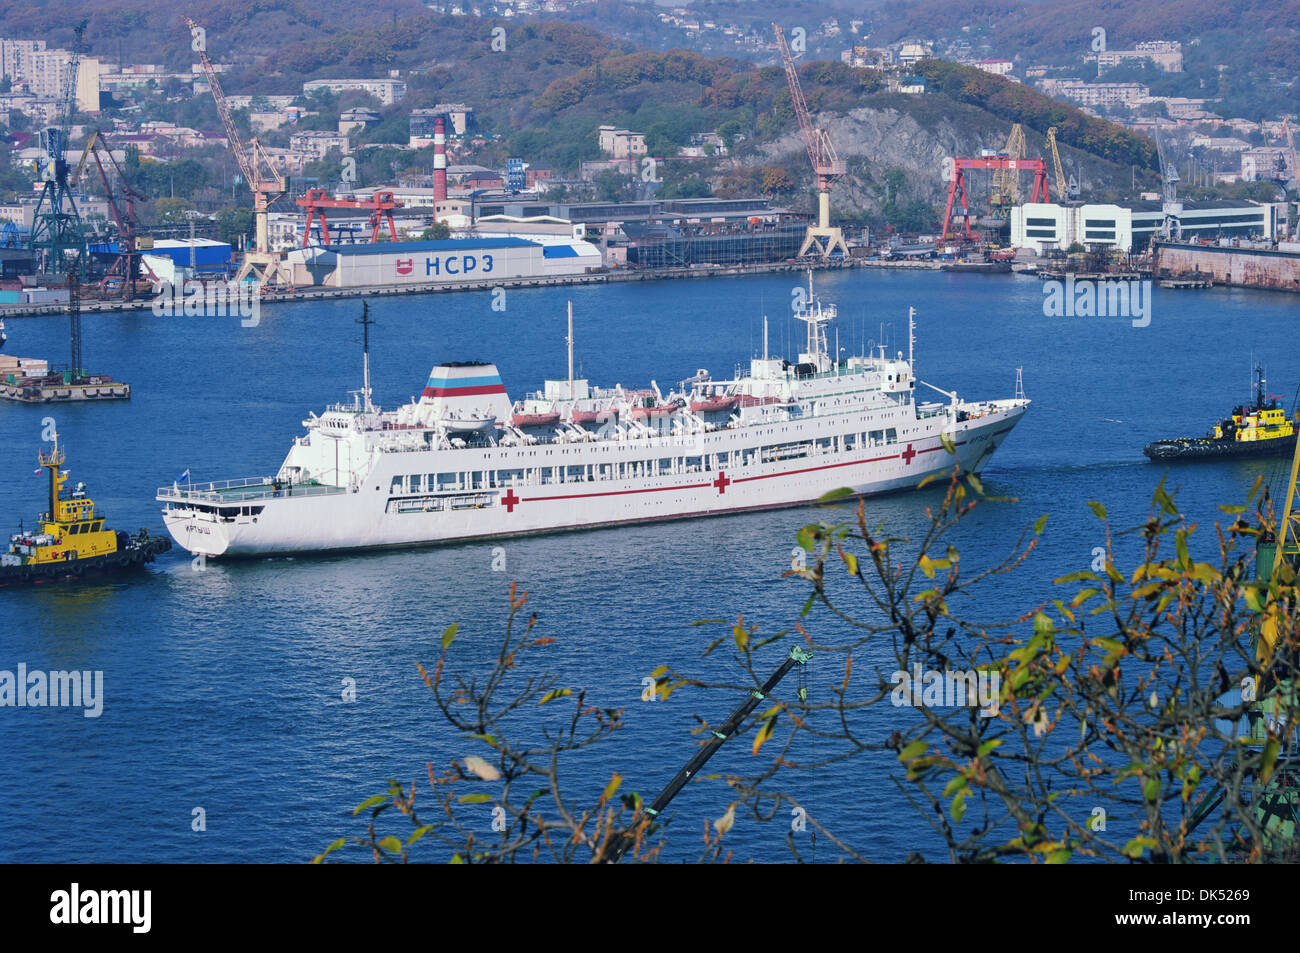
[[380, 205], [266, 183], [995, 163], [826, 165]]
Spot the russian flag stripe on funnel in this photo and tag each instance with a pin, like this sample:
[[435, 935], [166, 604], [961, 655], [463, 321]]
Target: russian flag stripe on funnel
[[460, 391], [463, 382]]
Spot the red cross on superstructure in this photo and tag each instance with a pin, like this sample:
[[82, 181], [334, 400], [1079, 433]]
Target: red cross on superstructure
[[722, 483], [510, 501], [908, 454]]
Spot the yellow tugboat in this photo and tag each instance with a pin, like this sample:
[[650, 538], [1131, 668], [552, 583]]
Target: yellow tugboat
[[1258, 430], [71, 541]]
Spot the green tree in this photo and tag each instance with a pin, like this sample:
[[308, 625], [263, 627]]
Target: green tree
[[1114, 702]]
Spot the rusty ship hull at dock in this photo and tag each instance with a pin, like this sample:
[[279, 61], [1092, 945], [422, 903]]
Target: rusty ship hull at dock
[[1275, 268]]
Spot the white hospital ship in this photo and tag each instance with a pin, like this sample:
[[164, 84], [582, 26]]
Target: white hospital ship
[[462, 462]]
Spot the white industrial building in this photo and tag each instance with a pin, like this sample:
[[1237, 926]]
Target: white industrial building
[[470, 260], [1129, 227]]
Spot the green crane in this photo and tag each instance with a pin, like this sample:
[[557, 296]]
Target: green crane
[[57, 231]]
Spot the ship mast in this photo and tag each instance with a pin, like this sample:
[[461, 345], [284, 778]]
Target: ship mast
[[365, 322], [911, 340], [569, 342]]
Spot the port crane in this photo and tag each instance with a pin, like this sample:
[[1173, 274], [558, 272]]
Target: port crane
[[129, 267], [1294, 176], [1065, 188], [826, 165], [56, 224], [1171, 225], [380, 205], [957, 193], [719, 736], [266, 183], [1006, 183]]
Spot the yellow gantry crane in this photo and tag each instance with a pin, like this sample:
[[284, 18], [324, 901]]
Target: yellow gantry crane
[[266, 183], [1006, 182], [1062, 188]]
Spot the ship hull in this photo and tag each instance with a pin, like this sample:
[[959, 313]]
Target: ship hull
[[75, 570], [734, 477], [1205, 448]]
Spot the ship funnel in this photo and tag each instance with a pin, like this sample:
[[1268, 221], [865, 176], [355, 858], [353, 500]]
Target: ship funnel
[[464, 390]]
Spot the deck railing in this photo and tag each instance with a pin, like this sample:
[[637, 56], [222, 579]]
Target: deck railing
[[238, 491]]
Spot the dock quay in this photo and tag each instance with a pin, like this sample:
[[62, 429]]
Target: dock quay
[[593, 278]]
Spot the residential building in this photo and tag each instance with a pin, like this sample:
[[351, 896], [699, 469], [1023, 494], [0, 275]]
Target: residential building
[[909, 54], [1094, 94], [387, 91], [356, 118], [865, 57], [319, 142], [996, 67], [1263, 162], [1167, 54], [621, 143], [15, 57]]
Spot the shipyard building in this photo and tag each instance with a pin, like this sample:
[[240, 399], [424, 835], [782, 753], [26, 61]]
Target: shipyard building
[[453, 261], [670, 232], [1130, 226]]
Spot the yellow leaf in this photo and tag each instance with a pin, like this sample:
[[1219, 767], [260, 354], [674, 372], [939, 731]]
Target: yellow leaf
[[613, 786], [765, 731]]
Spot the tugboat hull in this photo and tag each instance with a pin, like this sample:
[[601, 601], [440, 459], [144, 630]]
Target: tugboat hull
[[140, 550], [1206, 448]]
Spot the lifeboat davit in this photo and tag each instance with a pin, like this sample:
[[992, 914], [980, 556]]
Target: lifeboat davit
[[536, 420], [709, 405]]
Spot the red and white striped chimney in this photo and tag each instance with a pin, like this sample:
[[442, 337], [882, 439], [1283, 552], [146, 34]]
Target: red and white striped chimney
[[439, 160]]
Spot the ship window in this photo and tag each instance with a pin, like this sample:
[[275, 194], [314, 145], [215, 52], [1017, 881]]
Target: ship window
[[397, 485], [74, 529], [891, 435], [877, 437], [99, 526], [432, 482]]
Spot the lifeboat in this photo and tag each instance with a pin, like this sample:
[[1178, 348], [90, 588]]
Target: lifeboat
[[536, 420], [584, 417], [653, 412], [709, 405], [467, 423]]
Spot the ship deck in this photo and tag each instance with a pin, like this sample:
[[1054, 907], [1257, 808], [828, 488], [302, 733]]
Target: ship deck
[[242, 491]]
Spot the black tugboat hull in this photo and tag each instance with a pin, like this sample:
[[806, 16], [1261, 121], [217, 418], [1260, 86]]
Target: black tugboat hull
[[139, 552], [1205, 448]]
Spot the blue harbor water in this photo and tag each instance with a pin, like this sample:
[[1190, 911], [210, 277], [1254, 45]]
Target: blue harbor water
[[223, 687]]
